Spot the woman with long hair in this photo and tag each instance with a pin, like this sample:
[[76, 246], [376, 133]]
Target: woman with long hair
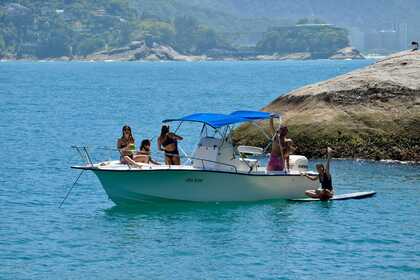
[[168, 142], [278, 148], [324, 176], [127, 147]]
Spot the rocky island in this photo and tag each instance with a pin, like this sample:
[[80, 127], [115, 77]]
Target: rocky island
[[370, 113]]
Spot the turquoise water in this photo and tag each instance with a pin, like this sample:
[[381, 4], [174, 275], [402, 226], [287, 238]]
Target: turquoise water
[[47, 107]]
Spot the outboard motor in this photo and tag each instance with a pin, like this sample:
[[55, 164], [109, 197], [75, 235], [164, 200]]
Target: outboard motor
[[298, 163]]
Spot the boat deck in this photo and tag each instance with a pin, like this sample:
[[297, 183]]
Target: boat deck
[[116, 165]]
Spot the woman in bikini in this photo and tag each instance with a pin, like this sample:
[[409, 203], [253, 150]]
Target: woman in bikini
[[126, 145], [277, 155], [168, 142], [326, 191]]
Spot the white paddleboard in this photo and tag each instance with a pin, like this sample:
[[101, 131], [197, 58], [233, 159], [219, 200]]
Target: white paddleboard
[[356, 195]]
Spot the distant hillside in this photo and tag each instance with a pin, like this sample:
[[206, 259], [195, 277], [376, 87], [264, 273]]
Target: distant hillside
[[321, 40], [42, 29], [372, 14], [52, 28], [243, 29]]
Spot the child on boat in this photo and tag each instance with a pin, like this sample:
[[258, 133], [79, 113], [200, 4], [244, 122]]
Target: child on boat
[[144, 155], [326, 191]]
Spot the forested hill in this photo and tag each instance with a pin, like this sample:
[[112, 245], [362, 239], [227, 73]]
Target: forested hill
[[38, 28], [52, 28], [371, 14]]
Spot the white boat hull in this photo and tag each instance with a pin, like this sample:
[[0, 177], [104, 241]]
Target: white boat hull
[[124, 186]]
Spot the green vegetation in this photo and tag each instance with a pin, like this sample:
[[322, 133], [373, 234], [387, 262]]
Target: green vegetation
[[311, 140], [78, 27], [315, 37], [52, 29], [185, 34], [36, 28], [42, 29]]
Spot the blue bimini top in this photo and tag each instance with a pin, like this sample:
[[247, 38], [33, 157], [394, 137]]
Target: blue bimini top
[[220, 120]]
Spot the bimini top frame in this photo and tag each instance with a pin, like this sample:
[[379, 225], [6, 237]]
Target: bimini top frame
[[220, 120]]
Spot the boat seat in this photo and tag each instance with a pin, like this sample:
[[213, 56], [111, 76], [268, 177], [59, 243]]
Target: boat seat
[[250, 150], [248, 163]]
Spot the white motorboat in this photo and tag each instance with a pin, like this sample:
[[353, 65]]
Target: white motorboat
[[217, 170]]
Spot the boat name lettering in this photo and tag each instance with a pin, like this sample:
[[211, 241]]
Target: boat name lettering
[[193, 180]]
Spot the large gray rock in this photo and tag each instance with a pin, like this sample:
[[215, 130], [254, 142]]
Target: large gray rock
[[291, 56], [138, 50], [347, 53], [372, 112]]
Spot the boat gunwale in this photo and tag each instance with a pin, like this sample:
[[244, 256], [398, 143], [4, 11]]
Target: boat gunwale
[[94, 169]]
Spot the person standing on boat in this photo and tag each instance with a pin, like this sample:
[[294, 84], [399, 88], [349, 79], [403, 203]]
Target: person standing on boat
[[326, 191], [127, 147], [276, 162], [168, 142], [288, 150]]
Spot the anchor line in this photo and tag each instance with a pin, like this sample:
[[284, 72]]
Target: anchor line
[[74, 183]]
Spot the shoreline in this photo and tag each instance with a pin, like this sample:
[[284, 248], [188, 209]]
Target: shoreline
[[163, 61], [383, 161]]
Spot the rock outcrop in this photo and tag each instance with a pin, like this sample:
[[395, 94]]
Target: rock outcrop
[[347, 53], [371, 113], [138, 50], [291, 56]]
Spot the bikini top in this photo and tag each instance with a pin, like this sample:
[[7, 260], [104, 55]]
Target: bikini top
[[326, 181], [168, 141]]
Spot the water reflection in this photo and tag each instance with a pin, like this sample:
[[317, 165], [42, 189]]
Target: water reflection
[[182, 207]]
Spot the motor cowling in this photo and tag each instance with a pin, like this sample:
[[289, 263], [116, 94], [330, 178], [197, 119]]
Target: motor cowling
[[298, 163]]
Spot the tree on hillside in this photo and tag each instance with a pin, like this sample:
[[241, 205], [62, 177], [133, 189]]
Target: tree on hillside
[[118, 7], [323, 40], [185, 28], [310, 21], [153, 31], [89, 45], [2, 46], [192, 37]]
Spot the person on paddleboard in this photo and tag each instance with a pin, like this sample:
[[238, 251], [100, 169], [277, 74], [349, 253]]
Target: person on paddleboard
[[324, 176]]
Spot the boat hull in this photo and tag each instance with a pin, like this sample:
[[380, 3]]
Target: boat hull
[[200, 185]]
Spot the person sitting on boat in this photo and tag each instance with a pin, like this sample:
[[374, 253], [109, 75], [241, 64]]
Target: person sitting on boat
[[326, 191], [276, 162], [168, 142], [126, 146], [144, 155]]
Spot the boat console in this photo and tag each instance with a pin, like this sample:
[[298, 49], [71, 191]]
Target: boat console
[[217, 154]]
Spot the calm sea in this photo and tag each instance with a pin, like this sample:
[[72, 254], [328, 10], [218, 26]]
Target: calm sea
[[47, 107]]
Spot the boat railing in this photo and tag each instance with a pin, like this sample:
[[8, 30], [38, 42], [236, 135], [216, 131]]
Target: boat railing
[[87, 156], [205, 160], [84, 154]]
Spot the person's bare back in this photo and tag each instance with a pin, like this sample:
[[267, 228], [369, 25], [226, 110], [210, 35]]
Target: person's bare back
[[276, 162]]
